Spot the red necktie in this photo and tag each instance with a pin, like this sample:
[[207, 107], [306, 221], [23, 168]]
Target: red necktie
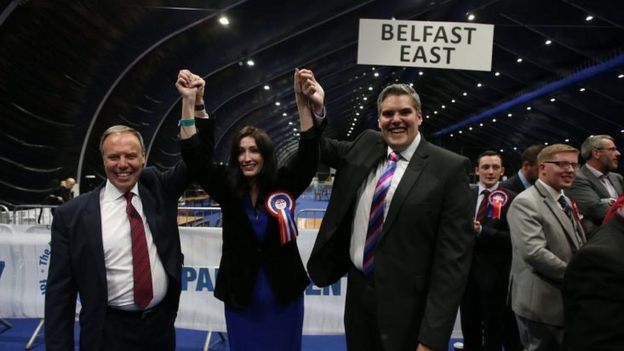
[[142, 271], [376, 218], [483, 206]]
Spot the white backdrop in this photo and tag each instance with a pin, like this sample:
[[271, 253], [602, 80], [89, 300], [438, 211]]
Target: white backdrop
[[24, 258]]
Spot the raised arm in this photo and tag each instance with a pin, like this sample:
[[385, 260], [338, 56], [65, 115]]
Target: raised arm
[[309, 95], [191, 89]]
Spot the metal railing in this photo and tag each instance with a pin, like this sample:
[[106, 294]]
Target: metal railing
[[33, 214], [309, 218], [5, 215]]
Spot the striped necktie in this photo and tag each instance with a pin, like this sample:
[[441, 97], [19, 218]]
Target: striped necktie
[[376, 218], [141, 268]]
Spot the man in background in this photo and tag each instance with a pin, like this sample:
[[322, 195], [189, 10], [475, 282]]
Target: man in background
[[596, 187], [487, 321], [528, 172], [545, 232]]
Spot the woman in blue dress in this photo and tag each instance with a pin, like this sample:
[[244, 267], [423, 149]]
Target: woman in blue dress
[[261, 277]]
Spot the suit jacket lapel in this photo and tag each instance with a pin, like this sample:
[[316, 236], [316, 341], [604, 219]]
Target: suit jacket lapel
[[614, 181], [151, 214], [596, 183], [92, 221], [562, 218], [413, 171]]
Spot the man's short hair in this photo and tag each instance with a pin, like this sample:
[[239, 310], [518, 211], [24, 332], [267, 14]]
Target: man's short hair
[[591, 143], [489, 153], [530, 153], [549, 151], [120, 128], [398, 89]]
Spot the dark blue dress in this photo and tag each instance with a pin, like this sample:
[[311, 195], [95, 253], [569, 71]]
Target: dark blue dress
[[266, 324]]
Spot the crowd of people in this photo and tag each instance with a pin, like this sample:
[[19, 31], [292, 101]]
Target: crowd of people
[[527, 261]]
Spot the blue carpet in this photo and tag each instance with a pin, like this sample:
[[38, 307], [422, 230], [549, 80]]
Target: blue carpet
[[16, 338]]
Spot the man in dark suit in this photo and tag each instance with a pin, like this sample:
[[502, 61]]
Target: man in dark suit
[[596, 187], [407, 259], [487, 321], [128, 278], [593, 291], [528, 172]]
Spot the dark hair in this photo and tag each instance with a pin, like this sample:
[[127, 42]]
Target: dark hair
[[266, 178], [489, 153], [530, 153]]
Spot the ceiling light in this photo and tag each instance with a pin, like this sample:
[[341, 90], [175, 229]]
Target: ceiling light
[[528, 108], [519, 60], [493, 120], [294, 129], [469, 128], [453, 135], [515, 148], [582, 90], [553, 99], [509, 115], [290, 123], [501, 150], [365, 98], [460, 132], [250, 63], [453, 101], [548, 42], [427, 117], [435, 112], [589, 18], [464, 93], [471, 17], [567, 140], [480, 124], [376, 74], [224, 20], [545, 143], [284, 114], [479, 85], [357, 113], [370, 88], [620, 76], [267, 87], [497, 74], [443, 106], [420, 73], [277, 103]]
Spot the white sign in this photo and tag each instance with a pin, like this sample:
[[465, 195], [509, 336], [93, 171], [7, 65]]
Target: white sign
[[450, 45]]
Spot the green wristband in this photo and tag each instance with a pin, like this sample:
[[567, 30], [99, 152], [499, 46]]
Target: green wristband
[[186, 122]]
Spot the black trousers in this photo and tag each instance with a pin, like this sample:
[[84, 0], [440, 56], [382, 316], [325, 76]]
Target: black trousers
[[140, 331], [360, 318]]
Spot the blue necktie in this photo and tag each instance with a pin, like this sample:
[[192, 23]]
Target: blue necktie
[[376, 218]]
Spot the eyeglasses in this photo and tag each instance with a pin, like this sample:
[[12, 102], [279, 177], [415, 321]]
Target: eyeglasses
[[610, 149], [564, 164]]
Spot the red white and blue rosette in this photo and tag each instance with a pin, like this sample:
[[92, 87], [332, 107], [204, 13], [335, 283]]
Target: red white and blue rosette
[[498, 199], [281, 205]]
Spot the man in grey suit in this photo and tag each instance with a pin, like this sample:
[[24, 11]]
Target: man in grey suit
[[407, 263], [545, 232], [596, 187]]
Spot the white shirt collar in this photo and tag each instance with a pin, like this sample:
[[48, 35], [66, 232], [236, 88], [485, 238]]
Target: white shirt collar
[[112, 193], [409, 151]]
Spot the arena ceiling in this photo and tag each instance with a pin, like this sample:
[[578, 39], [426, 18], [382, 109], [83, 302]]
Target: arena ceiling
[[70, 69]]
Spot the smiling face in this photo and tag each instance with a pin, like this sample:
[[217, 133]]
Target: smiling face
[[399, 121], [250, 159], [556, 176], [124, 160]]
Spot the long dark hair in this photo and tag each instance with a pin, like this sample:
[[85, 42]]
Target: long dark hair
[[266, 177]]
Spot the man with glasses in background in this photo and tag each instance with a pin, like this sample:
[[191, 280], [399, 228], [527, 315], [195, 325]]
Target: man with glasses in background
[[545, 232], [596, 187]]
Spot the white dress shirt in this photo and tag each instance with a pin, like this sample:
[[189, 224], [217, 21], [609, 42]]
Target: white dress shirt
[[117, 244], [365, 195]]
